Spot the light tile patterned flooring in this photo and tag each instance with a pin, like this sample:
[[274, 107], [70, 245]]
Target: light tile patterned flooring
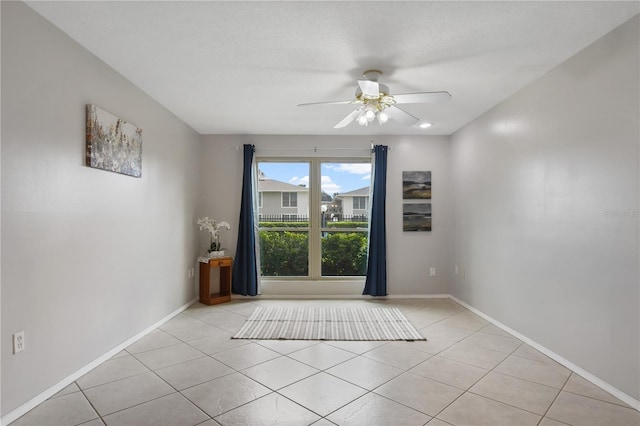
[[469, 372]]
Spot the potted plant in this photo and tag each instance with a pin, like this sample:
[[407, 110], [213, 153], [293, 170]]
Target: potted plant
[[214, 228]]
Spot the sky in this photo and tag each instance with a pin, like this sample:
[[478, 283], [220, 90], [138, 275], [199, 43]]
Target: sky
[[336, 177]]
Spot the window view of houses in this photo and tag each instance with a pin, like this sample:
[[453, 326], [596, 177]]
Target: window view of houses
[[288, 202], [289, 219], [282, 201]]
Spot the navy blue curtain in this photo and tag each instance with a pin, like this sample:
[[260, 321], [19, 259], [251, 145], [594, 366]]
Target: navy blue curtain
[[376, 282], [245, 272]]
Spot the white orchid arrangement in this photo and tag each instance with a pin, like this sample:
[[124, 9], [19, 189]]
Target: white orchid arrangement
[[213, 227]]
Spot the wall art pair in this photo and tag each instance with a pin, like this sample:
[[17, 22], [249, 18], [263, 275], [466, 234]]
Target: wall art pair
[[416, 216]]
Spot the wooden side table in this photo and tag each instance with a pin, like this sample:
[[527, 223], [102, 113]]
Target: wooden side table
[[225, 264]]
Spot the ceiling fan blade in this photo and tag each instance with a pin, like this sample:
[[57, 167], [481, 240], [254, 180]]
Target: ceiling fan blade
[[369, 88], [422, 98], [328, 103], [401, 116], [348, 119]]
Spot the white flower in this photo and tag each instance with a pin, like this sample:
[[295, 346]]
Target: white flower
[[223, 225], [213, 227]]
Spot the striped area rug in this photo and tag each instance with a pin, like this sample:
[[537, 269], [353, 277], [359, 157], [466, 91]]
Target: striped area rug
[[314, 323]]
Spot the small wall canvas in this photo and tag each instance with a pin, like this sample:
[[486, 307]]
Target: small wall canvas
[[416, 185], [112, 143], [416, 217]]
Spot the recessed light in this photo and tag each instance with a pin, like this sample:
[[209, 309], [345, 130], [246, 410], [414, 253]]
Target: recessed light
[[425, 125]]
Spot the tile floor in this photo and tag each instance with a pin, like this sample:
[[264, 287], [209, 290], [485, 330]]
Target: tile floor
[[469, 372]]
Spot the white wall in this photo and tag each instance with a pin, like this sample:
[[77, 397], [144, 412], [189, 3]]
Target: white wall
[[90, 258], [546, 210], [410, 254], [303, 204], [347, 204]]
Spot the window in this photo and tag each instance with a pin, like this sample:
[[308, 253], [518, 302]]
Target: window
[[283, 234], [359, 203], [319, 240], [289, 199], [260, 200]]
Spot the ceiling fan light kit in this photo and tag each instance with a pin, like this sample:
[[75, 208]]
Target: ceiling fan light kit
[[376, 103]]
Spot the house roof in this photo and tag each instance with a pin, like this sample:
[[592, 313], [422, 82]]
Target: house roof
[[270, 185], [361, 192]]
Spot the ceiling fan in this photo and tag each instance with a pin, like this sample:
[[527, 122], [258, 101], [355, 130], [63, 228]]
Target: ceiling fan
[[374, 101]]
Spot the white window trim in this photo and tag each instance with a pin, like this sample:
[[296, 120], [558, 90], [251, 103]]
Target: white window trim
[[315, 266], [364, 199], [282, 200]]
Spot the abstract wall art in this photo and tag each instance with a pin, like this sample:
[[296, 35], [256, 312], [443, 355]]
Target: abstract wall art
[[112, 143], [416, 185], [416, 217]]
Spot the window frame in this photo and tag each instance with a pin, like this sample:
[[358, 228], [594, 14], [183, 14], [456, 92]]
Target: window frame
[[364, 201], [289, 199], [314, 216]]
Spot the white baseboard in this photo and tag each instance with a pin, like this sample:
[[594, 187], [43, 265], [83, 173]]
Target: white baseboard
[[627, 399], [32, 403], [418, 296]]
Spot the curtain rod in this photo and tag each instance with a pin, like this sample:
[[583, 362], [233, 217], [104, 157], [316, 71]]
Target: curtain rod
[[314, 149]]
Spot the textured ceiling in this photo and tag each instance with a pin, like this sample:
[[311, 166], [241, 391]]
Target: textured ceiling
[[242, 67]]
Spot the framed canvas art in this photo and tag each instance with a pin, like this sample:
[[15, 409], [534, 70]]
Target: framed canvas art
[[112, 143], [416, 185], [416, 217]]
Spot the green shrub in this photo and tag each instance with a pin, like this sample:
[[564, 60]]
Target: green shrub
[[284, 253], [344, 254], [347, 225], [283, 224]]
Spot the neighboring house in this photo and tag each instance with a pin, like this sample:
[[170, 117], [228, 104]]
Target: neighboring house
[[355, 203], [282, 199], [288, 201]]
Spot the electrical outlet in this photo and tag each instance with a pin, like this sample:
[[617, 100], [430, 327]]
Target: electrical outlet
[[462, 272], [18, 342], [456, 270], [432, 271], [191, 272]]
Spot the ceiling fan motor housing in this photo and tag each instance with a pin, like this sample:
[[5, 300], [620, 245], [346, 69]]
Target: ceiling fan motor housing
[[384, 91], [372, 75]]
